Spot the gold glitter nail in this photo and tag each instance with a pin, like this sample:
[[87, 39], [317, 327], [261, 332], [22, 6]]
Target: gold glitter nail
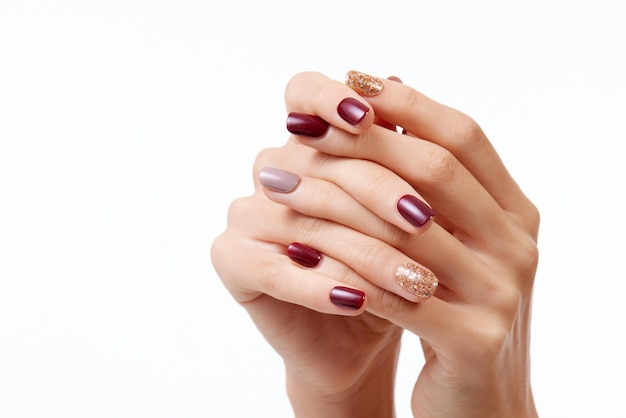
[[364, 84], [416, 280]]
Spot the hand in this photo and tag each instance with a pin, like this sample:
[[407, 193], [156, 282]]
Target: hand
[[340, 360], [475, 331]]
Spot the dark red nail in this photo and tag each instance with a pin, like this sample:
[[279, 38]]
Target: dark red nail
[[414, 210], [303, 255], [306, 125], [347, 297], [352, 111]]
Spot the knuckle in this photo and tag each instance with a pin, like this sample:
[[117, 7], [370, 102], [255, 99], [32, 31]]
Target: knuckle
[[264, 158], [393, 306], [493, 339], [269, 275], [375, 181], [520, 258], [322, 161], [468, 131], [325, 197], [440, 166], [488, 336], [307, 228], [533, 218], [527, 259], [365, 254], [237, 208], [410, 102], [395, 236], [217, 251], [509, 302]]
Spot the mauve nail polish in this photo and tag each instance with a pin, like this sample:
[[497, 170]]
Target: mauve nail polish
[[352, 111], [306, 125], [278, 180], [347, 297], [303, 255], [414, 210]]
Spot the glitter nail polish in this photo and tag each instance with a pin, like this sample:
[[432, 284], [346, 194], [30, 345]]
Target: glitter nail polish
[[365, 85]]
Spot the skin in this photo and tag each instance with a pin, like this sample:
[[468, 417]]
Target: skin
[[475, 330]]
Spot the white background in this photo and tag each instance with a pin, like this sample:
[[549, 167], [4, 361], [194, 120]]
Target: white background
[[127, 127]]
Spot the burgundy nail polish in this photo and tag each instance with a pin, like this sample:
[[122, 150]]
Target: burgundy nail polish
[[347, 297], [352, 111], [303, 255], [414, 210], [306, 125]]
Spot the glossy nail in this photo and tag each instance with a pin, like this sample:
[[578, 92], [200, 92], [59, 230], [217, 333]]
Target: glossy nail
[[306, 125], [303, 255], [414, 210], [416, 280], [352, 111], [347, 297], [278, 180], [364, 84]]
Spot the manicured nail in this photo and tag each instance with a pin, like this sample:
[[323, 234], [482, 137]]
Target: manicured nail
[[416, 280], [347, 297], [303, 255], [364, 84], [278, 180], [414, 210], [394, 78], [352, 111], [306, 125]]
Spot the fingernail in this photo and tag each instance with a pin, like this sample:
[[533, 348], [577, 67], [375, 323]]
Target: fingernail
[[347, 297], [394, 78], [352, 111], [364, 84], [414, 210], [278, 180], [303, 255], [416, 280], [306, 125]]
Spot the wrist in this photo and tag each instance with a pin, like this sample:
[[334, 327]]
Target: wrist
[[370, 393]]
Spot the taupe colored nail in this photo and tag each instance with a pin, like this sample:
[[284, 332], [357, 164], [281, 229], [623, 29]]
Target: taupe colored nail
[[278, 180]]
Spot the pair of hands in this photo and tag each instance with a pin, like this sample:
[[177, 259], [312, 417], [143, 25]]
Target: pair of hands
[[343, 174]]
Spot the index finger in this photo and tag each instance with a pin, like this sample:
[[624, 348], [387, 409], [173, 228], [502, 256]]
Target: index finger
[[453, 130], [310, 94]]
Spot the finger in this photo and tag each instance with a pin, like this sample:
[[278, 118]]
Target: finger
[[376, 261], [454, 131], [440, 179], [267, 270], [315, 94], [375, 187], [321, 200], [381, 122]]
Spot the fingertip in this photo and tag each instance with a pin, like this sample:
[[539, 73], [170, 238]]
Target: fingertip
[[301, 80]]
